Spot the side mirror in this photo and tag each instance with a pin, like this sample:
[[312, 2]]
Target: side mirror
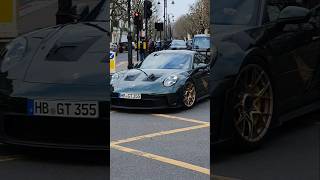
[[294, 14]]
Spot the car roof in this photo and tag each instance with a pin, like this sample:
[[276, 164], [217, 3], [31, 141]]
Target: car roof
[[178, 40], [176, 52]]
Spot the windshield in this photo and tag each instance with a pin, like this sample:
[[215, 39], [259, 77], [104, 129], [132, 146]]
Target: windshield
[[234, 12], [201, 43], [99, 11], [178, 43], [167, 61]]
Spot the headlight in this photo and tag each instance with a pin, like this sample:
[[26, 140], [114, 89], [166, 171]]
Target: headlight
[[170, 81], [15, 53], [114, 77]]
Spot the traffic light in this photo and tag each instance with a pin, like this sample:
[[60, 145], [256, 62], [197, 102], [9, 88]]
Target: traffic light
[[147, 9], [137, 20]]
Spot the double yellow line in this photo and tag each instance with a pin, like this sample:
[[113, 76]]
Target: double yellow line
[[200, 124]]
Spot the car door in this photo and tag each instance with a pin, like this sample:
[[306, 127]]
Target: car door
[[312, 59], [201, 74], [288, 46]]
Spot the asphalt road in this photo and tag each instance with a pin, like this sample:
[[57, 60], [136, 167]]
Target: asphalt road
[[292, 152], [36, 164], [122, 60], [160, 145]]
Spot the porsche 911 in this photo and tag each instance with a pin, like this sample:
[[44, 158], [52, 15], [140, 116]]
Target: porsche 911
[[165, 79]]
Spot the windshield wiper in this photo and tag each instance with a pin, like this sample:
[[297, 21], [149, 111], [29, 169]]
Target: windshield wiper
[[142, 71], [98, 27]]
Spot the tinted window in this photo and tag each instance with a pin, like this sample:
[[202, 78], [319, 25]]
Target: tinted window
[[167, 61], [234, 12], [102, 12]]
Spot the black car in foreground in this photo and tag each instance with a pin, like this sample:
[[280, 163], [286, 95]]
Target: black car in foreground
[[165, 79], [265, 68], [53, 87]]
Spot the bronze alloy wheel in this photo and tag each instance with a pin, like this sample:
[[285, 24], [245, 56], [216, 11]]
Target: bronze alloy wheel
[[253, 107], [189, 95]]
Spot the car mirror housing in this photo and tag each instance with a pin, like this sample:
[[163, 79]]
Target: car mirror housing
[[294, 14]]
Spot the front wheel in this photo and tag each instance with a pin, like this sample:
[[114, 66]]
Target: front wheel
[[189, 95], [252, 106]]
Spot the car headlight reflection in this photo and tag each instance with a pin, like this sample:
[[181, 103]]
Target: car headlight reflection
[[15, 53], [170, 81]]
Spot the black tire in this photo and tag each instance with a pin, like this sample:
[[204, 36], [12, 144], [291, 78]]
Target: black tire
[[189, 95], [253, 105]]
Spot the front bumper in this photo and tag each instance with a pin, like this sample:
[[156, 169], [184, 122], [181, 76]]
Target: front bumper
[[147, 101], [17, 128]]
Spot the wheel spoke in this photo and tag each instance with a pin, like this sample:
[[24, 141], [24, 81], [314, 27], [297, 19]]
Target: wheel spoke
[[254, 94]]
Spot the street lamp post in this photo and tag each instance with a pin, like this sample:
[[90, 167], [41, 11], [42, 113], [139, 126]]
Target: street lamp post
[[165, 12], [129, 37], [165, 19]]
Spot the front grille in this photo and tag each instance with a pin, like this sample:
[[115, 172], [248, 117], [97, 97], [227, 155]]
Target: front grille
[[147, 101]]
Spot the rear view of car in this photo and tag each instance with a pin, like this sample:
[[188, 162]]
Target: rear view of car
[[201, 43], [178, 45]]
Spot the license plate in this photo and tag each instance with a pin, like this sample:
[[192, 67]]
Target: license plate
[[129, 96], [89, 109]]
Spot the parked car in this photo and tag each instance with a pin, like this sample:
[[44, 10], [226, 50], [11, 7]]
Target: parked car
[[178, 45], [189, 44], [53, 87], [165, 79], [201, 43], [265, 67]]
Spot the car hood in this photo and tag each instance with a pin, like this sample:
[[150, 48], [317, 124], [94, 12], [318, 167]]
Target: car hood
[[69, 54], [137, 81]]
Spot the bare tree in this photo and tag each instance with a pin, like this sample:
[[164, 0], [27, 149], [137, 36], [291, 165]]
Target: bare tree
[[196, 21]]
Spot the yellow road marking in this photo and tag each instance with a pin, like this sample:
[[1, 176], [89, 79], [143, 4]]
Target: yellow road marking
[[202, 124], [162, 133], [180, 118], [162, 159]]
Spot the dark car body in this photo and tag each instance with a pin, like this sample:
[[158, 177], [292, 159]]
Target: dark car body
[[178, 45], [149, 83], [63, 63], [289, 48]]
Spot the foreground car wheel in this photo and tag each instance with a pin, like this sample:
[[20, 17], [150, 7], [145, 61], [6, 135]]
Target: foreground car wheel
[[253, 104], [189, 95]]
